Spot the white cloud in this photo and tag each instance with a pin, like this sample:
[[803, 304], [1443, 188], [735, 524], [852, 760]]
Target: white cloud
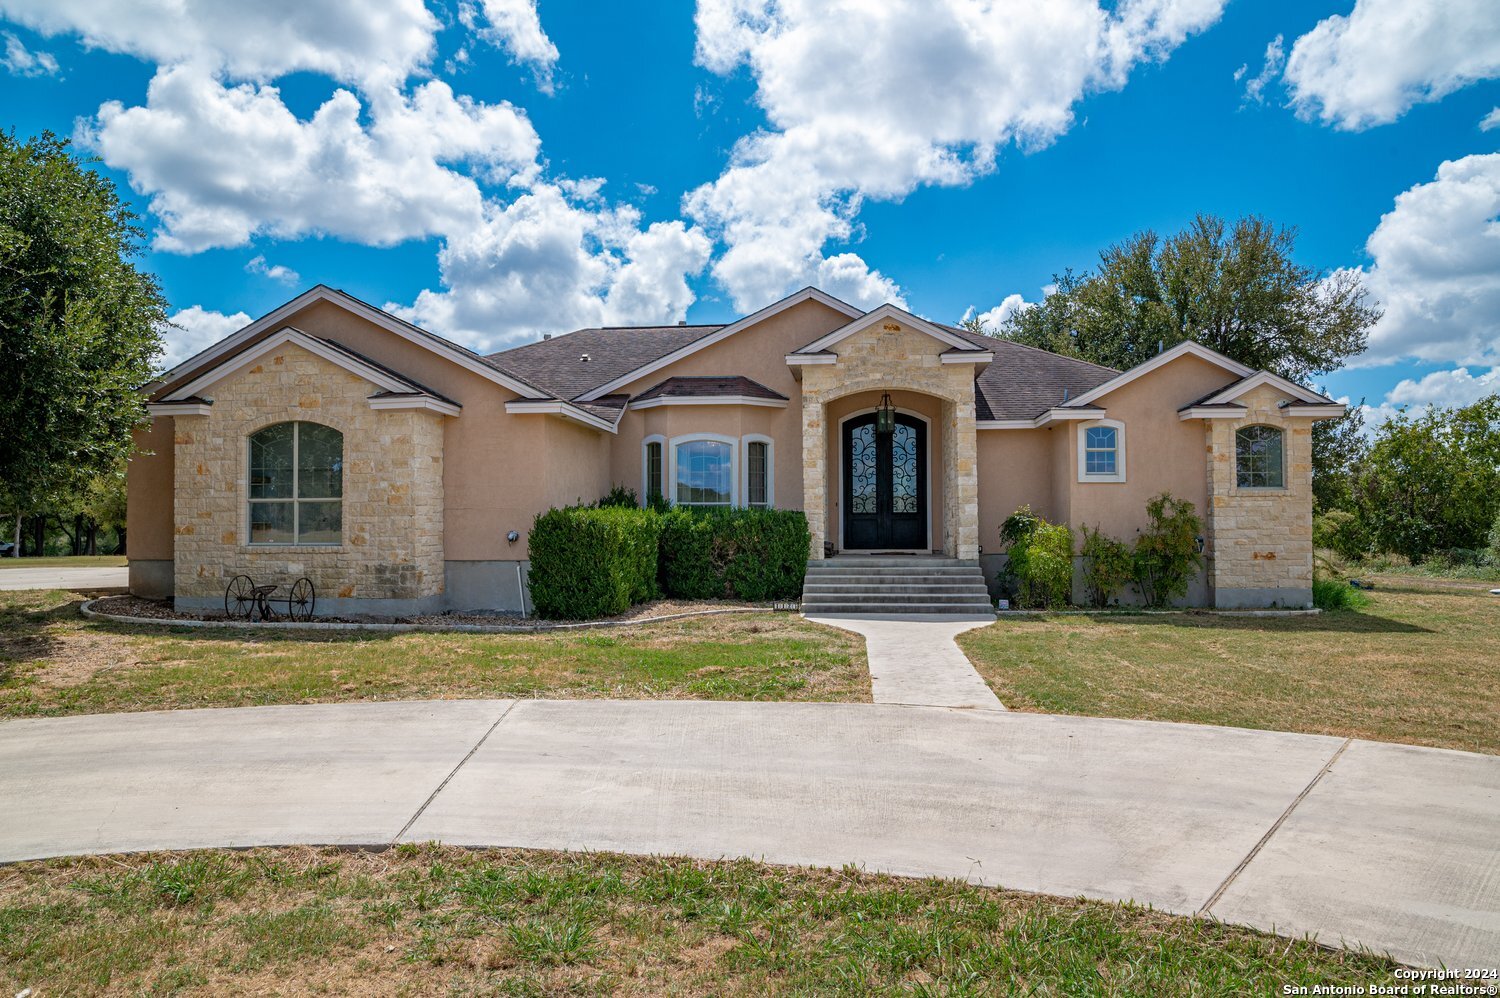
[[874, 100], [370, 42], [1447, 389], [1491, 120], [1275, 58], [1370, 67], [18, 60], [276, 272], [197, 328], [546, 262], [223, 164], [994, 319], [514, 26], [1436, 269]]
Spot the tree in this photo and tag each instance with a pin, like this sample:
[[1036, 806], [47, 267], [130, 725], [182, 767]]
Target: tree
[[1432, 483], [1235, 289], [1339, 446], [78, 323]]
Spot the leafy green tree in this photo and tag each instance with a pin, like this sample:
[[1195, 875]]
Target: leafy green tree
[[78, 323], [1233, 288], [1339, 446], [1166, 553], [1432, 483]]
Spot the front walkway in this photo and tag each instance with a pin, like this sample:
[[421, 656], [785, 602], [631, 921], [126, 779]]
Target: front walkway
[[914, 659], [1388, 846]]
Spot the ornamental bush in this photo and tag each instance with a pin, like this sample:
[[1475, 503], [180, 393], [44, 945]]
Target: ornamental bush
[[1040, 559], [746, 554], [1166, 554], [1107, 566], [588, 563], [1342, 533]]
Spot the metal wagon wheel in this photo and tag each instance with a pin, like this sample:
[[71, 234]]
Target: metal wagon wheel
[[239, 597], [303, 600]]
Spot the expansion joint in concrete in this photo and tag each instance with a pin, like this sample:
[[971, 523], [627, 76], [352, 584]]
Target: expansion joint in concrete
[[1218, 893], [454, 772]]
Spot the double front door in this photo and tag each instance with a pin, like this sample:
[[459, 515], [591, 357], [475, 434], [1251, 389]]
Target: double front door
[[885, 485]]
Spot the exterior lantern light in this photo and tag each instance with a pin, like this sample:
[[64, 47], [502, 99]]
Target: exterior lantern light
[[885, 416]]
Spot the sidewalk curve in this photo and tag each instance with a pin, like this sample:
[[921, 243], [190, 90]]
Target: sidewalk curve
[[1386, 846]]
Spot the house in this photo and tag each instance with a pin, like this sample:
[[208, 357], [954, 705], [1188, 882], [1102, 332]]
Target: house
[[402, 471]]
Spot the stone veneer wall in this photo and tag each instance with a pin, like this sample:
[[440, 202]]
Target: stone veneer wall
[[890, 357], [1262, 538], [391, 558]]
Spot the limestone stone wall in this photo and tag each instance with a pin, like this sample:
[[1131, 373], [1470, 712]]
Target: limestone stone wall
[[392, 547], [889, 356], [1261, 539]]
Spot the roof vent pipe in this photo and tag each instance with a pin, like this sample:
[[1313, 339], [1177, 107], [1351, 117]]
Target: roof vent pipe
[[584, 359], [1161, 345], [546, 336], [682, 322], [1065, 395]]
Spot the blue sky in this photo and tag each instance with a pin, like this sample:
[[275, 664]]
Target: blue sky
[[501, 168]]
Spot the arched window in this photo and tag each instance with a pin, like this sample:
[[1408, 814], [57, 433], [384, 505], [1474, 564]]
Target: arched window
[[704, 470], [653, 467], [1101, 451], [759, 487], [296, 484], [1258, 458]]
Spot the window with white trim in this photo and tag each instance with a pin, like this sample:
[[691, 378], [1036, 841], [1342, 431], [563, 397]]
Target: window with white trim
[[1258, 458], [652, 470], [296, 484], [758, 473], [1101, 451], [703, 472]]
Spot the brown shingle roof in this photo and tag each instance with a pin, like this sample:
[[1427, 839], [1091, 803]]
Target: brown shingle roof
[[1022, 382], [607, 407], [557, 365], [705, 387]]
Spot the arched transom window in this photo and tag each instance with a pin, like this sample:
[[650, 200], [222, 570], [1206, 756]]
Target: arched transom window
[[296, 484], [1259, 461]]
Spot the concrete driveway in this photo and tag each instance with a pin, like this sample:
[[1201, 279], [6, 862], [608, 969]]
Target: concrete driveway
[[64, 578], [1390, 847]]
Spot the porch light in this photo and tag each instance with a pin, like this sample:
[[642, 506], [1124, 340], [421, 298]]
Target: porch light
[[885, 416]]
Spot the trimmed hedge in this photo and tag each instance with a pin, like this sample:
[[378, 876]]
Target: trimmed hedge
[[588, 563], [747, 554]]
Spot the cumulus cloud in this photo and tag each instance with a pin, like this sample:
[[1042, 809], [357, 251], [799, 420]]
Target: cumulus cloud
[[874, 100], [1436, 268], [18, 60], [994, 319], [1370, 67], [195, 328], [275, 272], [515, 26], [1447, 389], [1491, 120], [223, 164], [546, 262], [1275, 58]]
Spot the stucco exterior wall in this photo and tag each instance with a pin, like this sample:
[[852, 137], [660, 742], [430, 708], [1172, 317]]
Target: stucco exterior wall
[[1015, 468], [1261, 538], [148, 509], [392, 545]]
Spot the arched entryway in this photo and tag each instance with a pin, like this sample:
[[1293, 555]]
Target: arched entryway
[[886, 497]]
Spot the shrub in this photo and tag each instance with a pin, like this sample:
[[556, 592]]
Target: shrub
[[1166, 555], [619, 495], [1493, 551], [1337, 594], [1341, 532], [747, 554], [1040, 561], [1107, 566], [588, 563]]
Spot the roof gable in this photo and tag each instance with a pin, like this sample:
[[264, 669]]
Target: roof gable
[[889, 312], [1183, 349]]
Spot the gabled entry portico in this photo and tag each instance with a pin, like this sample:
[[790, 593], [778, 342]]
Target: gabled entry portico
[[858, 483]]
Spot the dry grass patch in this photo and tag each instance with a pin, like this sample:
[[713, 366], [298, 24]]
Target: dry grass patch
[[52, 661], [1414, 666], [432, 920]]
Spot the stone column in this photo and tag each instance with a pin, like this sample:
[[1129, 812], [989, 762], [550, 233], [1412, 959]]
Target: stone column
[[963, 432], [814, 472]]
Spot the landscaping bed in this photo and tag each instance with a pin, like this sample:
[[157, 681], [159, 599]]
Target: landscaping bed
[[53, 661], [1416, 664], [429, 919]]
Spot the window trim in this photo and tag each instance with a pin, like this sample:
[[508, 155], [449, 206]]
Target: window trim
[[294, 499], [734, 468], [1082, 440], [654, 438], [745, 442], [1281, 431]]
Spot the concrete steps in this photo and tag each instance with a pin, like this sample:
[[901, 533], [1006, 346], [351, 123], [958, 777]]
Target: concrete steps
[[894, 584]]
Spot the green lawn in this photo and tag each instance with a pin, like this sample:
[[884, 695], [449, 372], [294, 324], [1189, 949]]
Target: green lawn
[[68, 561], [431, 920], [52, 662], [1420, 664]]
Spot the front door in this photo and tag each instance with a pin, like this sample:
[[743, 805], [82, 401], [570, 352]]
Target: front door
[[885, 485]]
